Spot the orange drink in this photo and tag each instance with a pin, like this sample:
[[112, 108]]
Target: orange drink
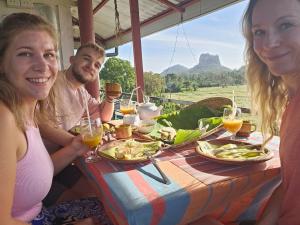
[[92, 140], [91, 133], [127, 110], [232, 120], [127, 107], [233, 125]]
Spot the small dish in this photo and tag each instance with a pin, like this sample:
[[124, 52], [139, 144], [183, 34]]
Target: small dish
[[146, 126]]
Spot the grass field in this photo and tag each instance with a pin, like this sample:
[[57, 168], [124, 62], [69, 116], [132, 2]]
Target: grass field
[[241, 94]]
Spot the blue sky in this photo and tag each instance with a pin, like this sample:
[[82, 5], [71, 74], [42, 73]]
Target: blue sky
[[218, 33]]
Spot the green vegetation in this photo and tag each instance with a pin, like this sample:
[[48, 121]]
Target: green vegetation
[[240, 91], [192, 87], [119, 71]]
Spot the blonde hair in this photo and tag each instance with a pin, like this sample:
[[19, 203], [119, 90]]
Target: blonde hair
[[268, 92], [11, 26]]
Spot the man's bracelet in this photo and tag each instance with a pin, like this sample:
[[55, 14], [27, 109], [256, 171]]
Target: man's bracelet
[[109, 100]]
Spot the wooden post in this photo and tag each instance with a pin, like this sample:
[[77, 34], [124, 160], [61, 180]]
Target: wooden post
[[137, 49], [87, 35]]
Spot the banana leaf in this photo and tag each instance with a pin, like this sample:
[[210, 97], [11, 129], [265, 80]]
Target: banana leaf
[[188, 118], [186, 136], [212, 122]]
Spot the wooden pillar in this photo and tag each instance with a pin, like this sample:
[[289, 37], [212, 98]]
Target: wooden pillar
[[87, 34], [137, 49]]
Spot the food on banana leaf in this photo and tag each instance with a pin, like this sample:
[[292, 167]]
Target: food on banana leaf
[[131, 150], [230, 151], [167, 134], [187, 118], [186, 136]]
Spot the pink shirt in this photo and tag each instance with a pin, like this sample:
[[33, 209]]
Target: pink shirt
[[33, 178], [70, 102], [290, 163]]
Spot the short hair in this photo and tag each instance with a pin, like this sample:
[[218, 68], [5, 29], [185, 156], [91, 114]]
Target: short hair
[[94, 46]]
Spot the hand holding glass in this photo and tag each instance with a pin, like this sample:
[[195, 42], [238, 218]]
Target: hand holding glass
[[232, 121], [92, 134]]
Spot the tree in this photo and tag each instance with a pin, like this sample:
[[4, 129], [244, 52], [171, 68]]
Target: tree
[[154, 84], [119, 71]]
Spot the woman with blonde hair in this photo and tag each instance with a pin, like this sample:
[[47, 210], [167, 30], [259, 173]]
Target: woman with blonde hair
[[28, 69], [272, 32]]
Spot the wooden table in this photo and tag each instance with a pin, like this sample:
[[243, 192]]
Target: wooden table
[[198, 187]]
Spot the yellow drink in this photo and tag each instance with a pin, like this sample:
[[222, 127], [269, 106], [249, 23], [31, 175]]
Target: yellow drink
[[232, 126], [127, 110], [92, 140]]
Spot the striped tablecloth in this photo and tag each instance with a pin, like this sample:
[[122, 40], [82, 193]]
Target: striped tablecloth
[[198, 187]]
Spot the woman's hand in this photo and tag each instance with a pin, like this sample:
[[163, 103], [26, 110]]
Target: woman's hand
[[68, 154], [78, 146]]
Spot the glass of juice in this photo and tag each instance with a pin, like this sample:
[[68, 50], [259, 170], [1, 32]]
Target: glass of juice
[[232, 120], [92, 134], [127, 106]]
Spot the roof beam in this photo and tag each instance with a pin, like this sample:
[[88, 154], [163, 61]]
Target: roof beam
[[172, 5], [99, 39], [157, 17], [99, 6]]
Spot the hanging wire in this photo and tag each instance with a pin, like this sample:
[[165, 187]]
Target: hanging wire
[[174, 49], [117, 24], [188, 44]]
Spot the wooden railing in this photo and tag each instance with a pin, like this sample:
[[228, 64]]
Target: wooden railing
[[160, 100]]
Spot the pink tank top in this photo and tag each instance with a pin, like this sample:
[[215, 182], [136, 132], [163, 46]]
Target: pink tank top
[[33, 178]]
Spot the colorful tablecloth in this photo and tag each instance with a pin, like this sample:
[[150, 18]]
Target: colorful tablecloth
[[198, 187]]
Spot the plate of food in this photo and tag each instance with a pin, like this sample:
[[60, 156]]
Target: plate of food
[[233, 152], [129, 151]]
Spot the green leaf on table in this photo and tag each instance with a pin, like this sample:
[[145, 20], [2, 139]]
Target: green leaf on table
[[155, 134], [110, 152], [212, 122], [187, 118], [186, 135]]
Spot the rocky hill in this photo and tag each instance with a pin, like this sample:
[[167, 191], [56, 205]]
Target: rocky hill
[[207, 63], [177, 69]]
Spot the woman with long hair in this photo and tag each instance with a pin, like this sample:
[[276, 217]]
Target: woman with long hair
[[272, 32], [28, 69]]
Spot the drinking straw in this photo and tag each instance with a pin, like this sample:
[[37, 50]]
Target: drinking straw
[[129, 102], [234, 106], [88, 114]]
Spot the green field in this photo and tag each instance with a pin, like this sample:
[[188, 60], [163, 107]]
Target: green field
[[241, 94]]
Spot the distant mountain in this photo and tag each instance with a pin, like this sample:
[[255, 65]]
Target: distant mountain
[[207, 63], [177, 69]]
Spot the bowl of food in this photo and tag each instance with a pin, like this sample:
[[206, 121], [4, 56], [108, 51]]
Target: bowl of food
[[146, 126]]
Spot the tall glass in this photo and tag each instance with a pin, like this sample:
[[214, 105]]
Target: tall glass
[[92, 134], [232, 120], [127, 106]]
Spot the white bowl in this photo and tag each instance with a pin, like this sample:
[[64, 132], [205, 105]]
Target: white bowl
[[146, 126], [132, 119]]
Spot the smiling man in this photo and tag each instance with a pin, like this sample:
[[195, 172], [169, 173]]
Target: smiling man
[[70, 97], [85, 67]]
